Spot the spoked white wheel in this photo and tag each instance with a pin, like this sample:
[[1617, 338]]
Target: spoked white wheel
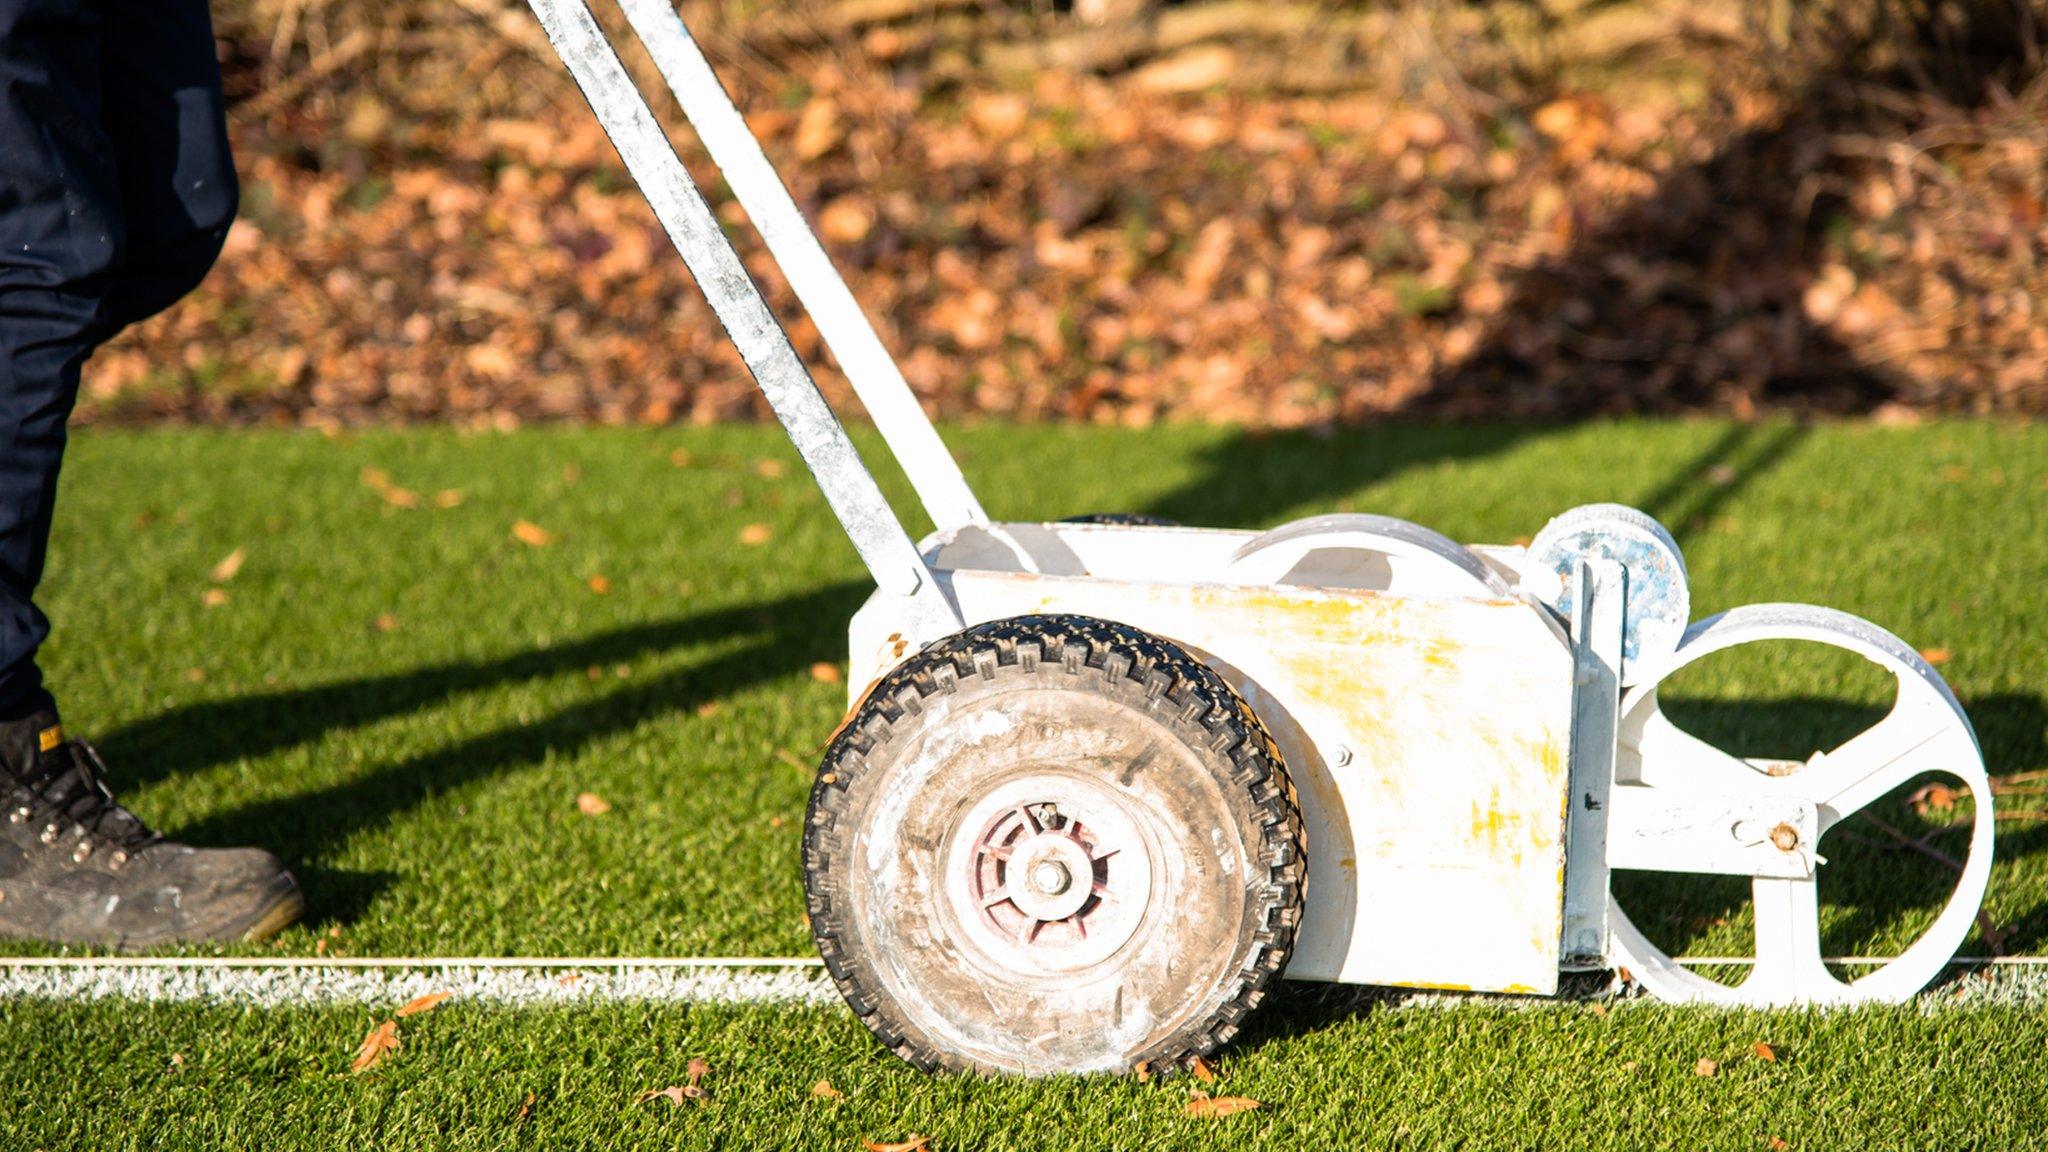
[[1357, 550], [1682, 805]]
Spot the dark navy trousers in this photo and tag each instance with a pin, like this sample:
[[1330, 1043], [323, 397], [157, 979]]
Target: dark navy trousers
[[116, 190]]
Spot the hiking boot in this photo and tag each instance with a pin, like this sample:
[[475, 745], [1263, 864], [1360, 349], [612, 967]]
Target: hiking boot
[[77, 868]]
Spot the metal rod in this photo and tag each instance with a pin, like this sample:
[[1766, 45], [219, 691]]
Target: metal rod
[[854, 497], [846, 329], [1598, 619]]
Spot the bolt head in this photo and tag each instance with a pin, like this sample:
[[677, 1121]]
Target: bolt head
[[1785, 837], [1050, 877]]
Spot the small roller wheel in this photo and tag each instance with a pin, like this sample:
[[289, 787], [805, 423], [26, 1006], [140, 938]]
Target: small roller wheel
[[1053, 844], [1124, 519]]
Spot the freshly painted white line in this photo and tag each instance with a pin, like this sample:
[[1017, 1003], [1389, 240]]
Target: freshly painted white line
[[383, 982], [277, 985], [440, 962]]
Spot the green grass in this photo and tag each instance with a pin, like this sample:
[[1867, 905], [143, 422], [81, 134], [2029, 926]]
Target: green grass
[[421, 779]]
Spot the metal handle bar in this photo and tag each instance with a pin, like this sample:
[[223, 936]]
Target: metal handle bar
[[820, 439]]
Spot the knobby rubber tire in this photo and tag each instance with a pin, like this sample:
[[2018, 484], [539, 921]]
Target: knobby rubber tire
[[1153, 670]]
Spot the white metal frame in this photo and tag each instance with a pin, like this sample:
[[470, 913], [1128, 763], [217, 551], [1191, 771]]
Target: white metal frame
[[1307, 582]]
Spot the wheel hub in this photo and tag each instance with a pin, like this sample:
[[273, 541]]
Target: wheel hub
[[1049, 874]]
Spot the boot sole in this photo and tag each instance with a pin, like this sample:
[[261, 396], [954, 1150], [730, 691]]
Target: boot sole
[[281, 905], [280, 916]]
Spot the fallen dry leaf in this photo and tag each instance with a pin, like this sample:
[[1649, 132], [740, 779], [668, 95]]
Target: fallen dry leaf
[[1706, 1067], [230, 564], [680, 457], [1597, 1009], [754, 534], [826, 672], [846, 221], [1936, 656], [1764, 1052], [591, 804], [448, 498], [1932, 798], [525, 1109], [769, 469], [379, 481], [384, 622], [910, 1143], [696, 1070], [1777, 1144], [427, 1003], [1202, 1071], [818, 130], [531, 534], [824, 1090], [381, 1042], [1215, 1107], [195, 675], [599, 584], [214, 597], [1630, 1065], [673, 1094]]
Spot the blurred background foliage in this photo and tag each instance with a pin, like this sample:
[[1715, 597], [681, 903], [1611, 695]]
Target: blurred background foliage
[[1273, 212]]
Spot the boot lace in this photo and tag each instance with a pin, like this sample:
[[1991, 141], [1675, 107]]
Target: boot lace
[[73, 802]]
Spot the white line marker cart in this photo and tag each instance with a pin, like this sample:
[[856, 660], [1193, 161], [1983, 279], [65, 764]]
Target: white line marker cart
[[1107, 780]]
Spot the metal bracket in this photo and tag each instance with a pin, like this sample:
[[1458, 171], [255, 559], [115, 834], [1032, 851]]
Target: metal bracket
[[820, 439], [1705, 832], [1597, 618]]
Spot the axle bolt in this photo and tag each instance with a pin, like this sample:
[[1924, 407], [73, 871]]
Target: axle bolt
[[1785, 837], [1050, 877]]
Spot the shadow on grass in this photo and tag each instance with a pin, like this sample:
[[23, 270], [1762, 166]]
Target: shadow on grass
[[776, 638], [1254, 477], [1695, 493], [794, 631], [1258, 477]]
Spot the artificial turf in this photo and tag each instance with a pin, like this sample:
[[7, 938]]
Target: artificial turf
[[406, 702]]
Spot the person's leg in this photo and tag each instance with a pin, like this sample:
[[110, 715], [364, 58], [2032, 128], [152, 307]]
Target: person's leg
[[167, 123], [61, 238], [115, 192]]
